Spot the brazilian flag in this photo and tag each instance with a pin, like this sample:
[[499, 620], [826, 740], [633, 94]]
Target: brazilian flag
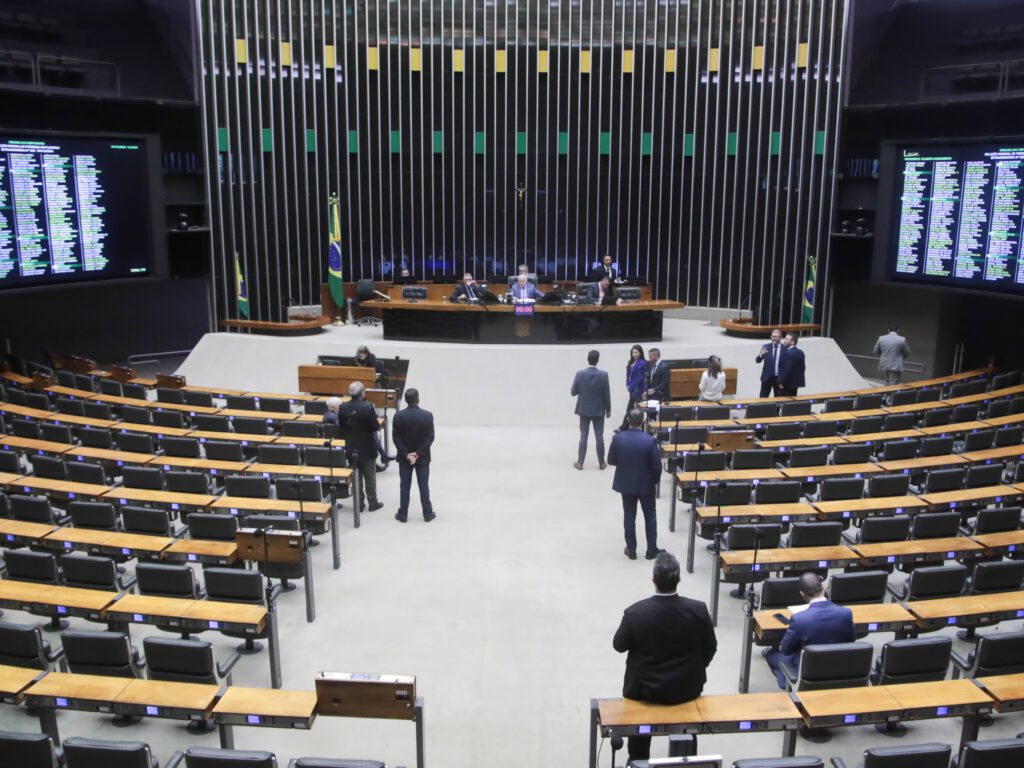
[[241, 290], [812, 273], [334, 280]]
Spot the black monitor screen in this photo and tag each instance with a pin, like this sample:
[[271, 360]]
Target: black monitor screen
[[74, 208], [956, 215]]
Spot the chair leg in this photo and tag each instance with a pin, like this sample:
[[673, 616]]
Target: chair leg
[[124, 721], [740, 592], [249, 647], [968, 635], [56, 624], [287, 586], [199, 727], [816, 735], [894, 729]]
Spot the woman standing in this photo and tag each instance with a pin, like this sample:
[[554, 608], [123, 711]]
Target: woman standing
[[712, 381], [636, 381]]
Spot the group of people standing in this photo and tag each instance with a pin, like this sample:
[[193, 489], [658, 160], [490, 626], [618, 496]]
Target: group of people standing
[[784, 364]]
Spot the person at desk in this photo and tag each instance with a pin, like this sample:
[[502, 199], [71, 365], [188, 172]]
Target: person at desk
[[822, 622], [712, 381], [669, 641], [658, 377], [606, 293], [522, 288], [467, 290], [791, 367], [604, 269], [770, 355], [358, 419], [366, 359]]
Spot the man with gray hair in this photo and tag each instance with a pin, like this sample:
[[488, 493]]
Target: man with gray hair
[[892, 349], [359, 426], [669, 641]]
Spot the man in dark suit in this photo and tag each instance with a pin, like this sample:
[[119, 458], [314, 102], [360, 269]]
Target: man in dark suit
[[593, 405], [658, 376], [467, 290], [670, 642], [771, 355], [637, 462], [413, 432], [359, 426], [823, 622], [791, 367], [604, 269]]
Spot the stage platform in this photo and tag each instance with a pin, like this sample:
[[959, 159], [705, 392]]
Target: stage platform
[[478, 384]]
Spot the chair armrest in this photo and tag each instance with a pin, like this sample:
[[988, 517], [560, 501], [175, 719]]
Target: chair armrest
[[55, 654], [898, 594], [837, 762], [960, 661], [179, 532], [177, 757], [223, 670], [126, 583]]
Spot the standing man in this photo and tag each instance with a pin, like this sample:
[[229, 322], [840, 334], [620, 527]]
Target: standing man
[[771, 354], [359, 427], [413, 432], [593, 405], [791, 367], [637, 462], [605, 269], [658, 377], [670, 641], [892, 349]]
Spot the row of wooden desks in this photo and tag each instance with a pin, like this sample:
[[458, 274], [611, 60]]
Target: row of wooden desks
[[787, 712], [125, 609]]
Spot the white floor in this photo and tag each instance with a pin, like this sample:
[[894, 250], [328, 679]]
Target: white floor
[[504, 607]]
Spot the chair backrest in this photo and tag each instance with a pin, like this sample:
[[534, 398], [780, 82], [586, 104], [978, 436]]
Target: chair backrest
[[33, 509], [783, 431], [300, 429], [202, 399], [48, 467], [180, 661], [1009, 436], [315, 407], [98, 515], [916, 660], [801, 408], [81, 752], [134, 414], [895, 450], [935, 525], [967, 412], [90, 572], [171, 419], [134, 442], [241, 402], [27, 750], [206, 757], [839, 404], [761, 411], [207, 422], [25, 428], [16, 396], [939, 445], [148, 478], [167, 395], [710, 412], [135, 391], [110, 387], [70, 406], [858, 587], [687, 435], [746, 535], [781, 592], [997, 520], [898, 421], [672, 414], [777, 492], [86, 472], [997, 576], [752, 458], [997, 753], [878, 529], [275, 405], [999, 653], [322, 457], [825, 534], [9, 462], [880, 486], [26, 565], [937, 417], [808, 457], [234, 585], [224, 450], [1007, 379], [838, 488], [864, 402], [857, 453], [325, 762], [911, 756], [219, 527], [279, 454], [146, 520], [867, 425], [981, 440], [187, 482], [837, 665], [22, 645], [99, 653], [185, 447], [163, 580], [249, 426], [821, 428], [56, 433], [705, 461], [727, 494], [294, 488], [936, 581], [249, 486], [944, 480], [997, 408], [929, 395], [981, 475], [38, 400]]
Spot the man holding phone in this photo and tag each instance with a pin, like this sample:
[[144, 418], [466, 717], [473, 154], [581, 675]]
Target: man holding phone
[[771, 356]]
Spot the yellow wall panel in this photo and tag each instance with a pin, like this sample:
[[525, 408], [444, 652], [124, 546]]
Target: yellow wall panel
[[372, 58], [458, 60], [416, 59], [543, 61], [286, 54], [757, 58], [802, 51], [713, 56], [500, 61], [670, 60], [241, 51], [628, 60], [329, 57], [585, 62]]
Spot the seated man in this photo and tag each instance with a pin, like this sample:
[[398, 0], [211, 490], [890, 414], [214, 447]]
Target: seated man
[[522, 288], [468, 289], [822, 622], [606, 292]]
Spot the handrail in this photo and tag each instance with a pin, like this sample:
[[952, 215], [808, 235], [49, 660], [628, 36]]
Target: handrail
[[907, 364]]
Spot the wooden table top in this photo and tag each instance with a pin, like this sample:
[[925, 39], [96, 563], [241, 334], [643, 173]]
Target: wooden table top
[[969, 605], [875, 437], [613, 712], [298, 469], [24, 529], [317, 442], [137, 402], [24, 410], [153, 429], [1004, 688], [941, 693], [848, 415], [993, 454], [160, 497], [88, 687], [31, 444], [863, 615], [831, 470], [61, 486], [789, 555], [876, 503], [972, 494], [138, 542], [7, 478], [266, 702], [852, 701], [81, 421], [747, 707], [730, 513], [1005, 421], [948, 429], [183, 407], [924, 462], [215, 391], [204, 547], [242, 413], [75, 597], [279, 396], [79, 535], [158, 693], [754, 422], [1003, 601], [144, 605], [917, 547], [816, 396], [987, 540], [710, 423], [238, 437], [107, 454], [169, 462], [691, 478], [237, 503], [674, 448], [915, 407], [802, 442], [14, 680], [235, 613], [23, 591]]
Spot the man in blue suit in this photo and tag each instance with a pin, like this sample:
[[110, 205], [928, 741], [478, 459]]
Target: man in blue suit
[[823, 622], [771, 356], [791, 367], [593, 405], [634, 454]]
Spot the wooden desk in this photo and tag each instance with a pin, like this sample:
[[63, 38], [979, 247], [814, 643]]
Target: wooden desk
[[14, 681], [16, 378], [291, 397], [966, 611], [218, 392], [214, 614], [7, 478], [135, 545], [59, 489], [852, 706], [236, 505], [915, 407], [268, 416], [848, 415], [21, 595], [17, 533], [109, 456], [152, 429], [787, 558], [191, 410], [814, 474], [143, 609], [157, 698], [175, 501], [74, 394], [136, 402], [1004, 605], [883, 437], [950, 429], [1005, 421], [61, 690], [709, 423], [753, 422], [913, 466], [209, 466], [726, 475], [259, 706], [733, 713], [202, 551], [75, 538], [944, 698], [955, 499], [74, 601], [1009, 452], [670, 449], [756, 513], [1003, 543], [850, 509], [801, 442], [239, 437], [316, 442], [627, 717], [918, 551], [293, 470], [80, 421], [1007, 691], [31, 445], [24, 411]]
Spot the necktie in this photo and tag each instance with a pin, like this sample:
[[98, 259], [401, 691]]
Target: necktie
[[775, 356], [469, 292]]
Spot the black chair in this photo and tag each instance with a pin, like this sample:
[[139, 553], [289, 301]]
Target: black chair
[[48, 467], [997, 753], [94, 572], [70, 407], [293, 489], [81, 752], [1004, 380], [275, 405], [881, 486], [169, 419], [841, 488], [207, 757], [912, 756], [1009, 436], [995, 409], [135, 443], [879, 529], [241, 402], [688, 435], [746, 537], [929, 395], [780, 592], [38, 400], [932, 582], [935, 525], [808, 457], [162, 580], [783, 431], [224, 450], [941, 445], [250, 426], [981, 440], [711, 412], [982, 475], [148, 478], [867, 402], [897, 450], [148, 521], [937, 417], [858, 587], [86, 472], [915, 660], [187, 482], [232, 585], [778, 492], [323, 762], [16, 396], [839, 405], [857, 453], [167, 395], [35, 567], [35, 509], [939, 480], [200, 399], [97, 515], [705, 461], [279, 454], [249, 486], [218, 527], [134, 414], [101, 653], [9, 462], [111, 387], [300, 429], [998, 653], [837, 665], [996, 520], [134, 391], [27, 750], [187, 661], [752, 458], [895, 422], [761, 411], [996, 576], [56, 433], [205, 422], [964, 413], [866, 425], [821, 429], [23, 646], [184, 447], [800, 408], [315, 407], [731, 493], [807, 534], [670, 414]]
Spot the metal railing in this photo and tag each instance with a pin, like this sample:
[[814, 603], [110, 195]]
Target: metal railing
[[867, 365], [45, 72], [992, 78]]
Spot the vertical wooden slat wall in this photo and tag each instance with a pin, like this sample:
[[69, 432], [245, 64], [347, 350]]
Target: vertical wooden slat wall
[[694, 142]]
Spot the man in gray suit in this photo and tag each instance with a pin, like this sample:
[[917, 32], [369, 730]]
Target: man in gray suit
[[593, 406], [892, 349]]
